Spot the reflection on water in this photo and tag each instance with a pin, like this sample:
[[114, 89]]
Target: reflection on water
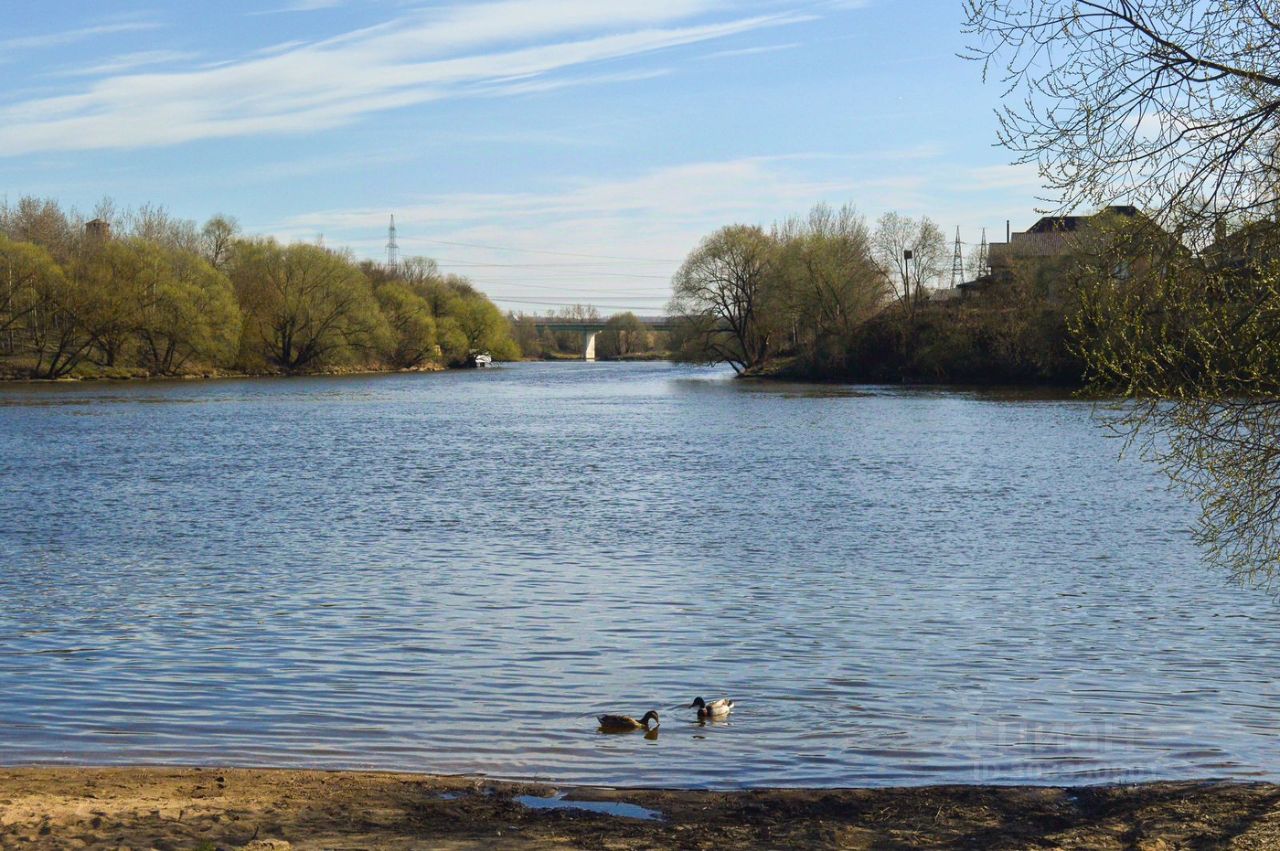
[[609, 808], [457, 572]]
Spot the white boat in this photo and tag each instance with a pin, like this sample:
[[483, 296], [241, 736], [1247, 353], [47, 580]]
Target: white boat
[[482, 360]]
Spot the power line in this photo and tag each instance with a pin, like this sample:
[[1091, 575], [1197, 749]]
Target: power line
[[560, 286], [551, 253], [592, 302], [465, 265], [607, 264]]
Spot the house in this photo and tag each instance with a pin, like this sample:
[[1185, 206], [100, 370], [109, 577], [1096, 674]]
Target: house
[[1246, 252], [1051, 239]]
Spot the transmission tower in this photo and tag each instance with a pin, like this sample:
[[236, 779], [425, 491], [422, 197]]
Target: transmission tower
[[984, 257], [957, 263], [393, 247]]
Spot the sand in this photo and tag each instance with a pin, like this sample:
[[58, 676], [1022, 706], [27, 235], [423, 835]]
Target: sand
[[206, 809]]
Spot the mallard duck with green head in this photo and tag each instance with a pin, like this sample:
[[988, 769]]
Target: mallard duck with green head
[[716, 709]]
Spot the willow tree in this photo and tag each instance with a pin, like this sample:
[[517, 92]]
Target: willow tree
[[723, 294], [24, 272], [412, 341], [831, 284], [305, 307], [190, 316], [1172, 105]]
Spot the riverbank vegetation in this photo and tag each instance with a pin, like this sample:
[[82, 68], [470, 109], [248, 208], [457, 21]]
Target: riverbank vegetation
[[1170, 105], [141, 293], [828, 297], [624, 337]]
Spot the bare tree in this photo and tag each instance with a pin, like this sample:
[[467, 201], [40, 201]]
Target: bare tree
[[1172, 105], [217, 238], [894, 237], [831, 283], [721, 292], [1167, 104]]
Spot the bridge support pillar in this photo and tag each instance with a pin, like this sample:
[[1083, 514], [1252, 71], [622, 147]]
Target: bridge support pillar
[[589, 345]]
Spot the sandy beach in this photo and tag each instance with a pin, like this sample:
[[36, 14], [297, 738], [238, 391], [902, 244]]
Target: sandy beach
[[207, 809]]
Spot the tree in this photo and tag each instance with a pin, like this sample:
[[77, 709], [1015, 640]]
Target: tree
[[1172, 105], [624, 334], [412, 341], [57, 332], [483, 327], [832, 284], [42, 222], [722, 294], [217, 239], [118, 279], [1168, 104], [190, 315], [895, 235], [524, 331], [549, 341], [305, 307], [25, 270]]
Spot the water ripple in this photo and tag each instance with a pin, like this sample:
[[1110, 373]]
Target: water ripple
[[454, 573]]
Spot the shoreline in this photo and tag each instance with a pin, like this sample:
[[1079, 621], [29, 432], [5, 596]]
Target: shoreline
[[72, 380], [260, 809]]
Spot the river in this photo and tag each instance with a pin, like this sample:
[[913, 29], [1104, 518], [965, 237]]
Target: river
[[454, 572]]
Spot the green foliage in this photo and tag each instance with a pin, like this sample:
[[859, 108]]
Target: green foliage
[[524, 332], [624, 335], [412, 337], [1194, 344], [726, 293], [189, 315], [160, 296], [801, 292], [305, 308]]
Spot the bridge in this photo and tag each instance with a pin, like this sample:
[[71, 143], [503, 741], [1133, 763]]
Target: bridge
[[590, 328]]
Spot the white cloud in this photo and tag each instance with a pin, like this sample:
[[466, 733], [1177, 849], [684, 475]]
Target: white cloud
[[440, 53], [128, 62], [1023, 176], [752, 51], [72, 36], [654, 218]]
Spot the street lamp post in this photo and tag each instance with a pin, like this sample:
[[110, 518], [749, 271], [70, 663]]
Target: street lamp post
[[906, 273]]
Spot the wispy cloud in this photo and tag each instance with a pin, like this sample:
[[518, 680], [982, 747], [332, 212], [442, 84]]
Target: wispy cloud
[[655, 217], [425, 56], [752, 51], [128, 62], [72, 36], [301, 6]]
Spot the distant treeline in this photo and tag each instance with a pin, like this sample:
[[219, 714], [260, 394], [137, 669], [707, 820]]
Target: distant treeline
[[827, 297], [624, 336], [141, 292]]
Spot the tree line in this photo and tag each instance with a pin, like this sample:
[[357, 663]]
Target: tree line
[[157, 295], [827, 296], [624, 336]]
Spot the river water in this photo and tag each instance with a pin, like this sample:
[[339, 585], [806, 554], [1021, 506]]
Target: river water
[[453, 572]]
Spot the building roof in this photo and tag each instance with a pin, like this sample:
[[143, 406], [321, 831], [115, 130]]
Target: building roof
[[1065, 224]]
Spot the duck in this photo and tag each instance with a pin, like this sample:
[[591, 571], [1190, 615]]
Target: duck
[[627, 724], [715, 709]]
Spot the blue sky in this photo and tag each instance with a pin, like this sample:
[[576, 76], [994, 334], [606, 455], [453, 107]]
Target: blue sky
[[552, 150]]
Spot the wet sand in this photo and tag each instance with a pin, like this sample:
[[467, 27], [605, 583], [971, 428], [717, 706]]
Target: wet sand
[[207, 809]]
